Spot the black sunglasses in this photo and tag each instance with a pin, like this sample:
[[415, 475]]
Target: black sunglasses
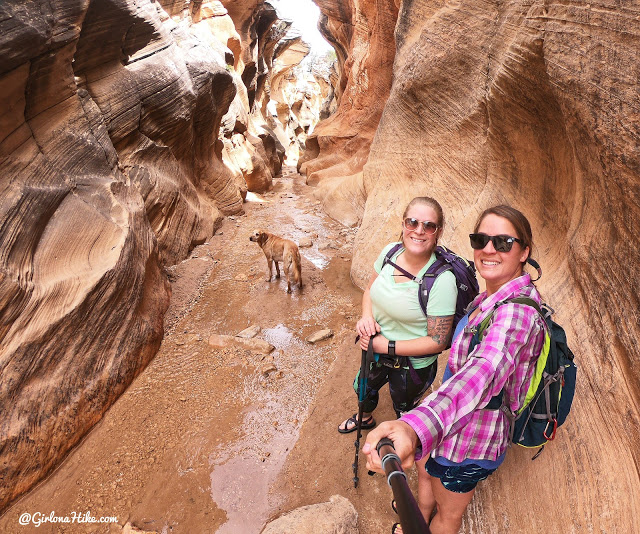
[[502, 243], [411, 223]]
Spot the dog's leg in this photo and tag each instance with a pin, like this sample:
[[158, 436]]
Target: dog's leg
[[297, 269], [286, 263], [277, 268], [269, 262]]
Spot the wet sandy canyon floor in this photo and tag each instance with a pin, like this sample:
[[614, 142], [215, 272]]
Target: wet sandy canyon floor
[[204, 441]]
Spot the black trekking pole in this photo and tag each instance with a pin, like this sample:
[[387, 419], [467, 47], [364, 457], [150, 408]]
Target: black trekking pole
[[367, 358], [411, 517]]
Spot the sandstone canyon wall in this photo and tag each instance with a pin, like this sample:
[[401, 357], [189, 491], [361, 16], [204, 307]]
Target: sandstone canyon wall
[[362, 35], [127, 130], [297, 95], [260, 129], [535, 104]]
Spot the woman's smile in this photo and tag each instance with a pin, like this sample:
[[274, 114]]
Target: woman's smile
[[498, 268], [418, 241]]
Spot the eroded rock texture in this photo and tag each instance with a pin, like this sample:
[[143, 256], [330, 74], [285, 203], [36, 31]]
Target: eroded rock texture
[[112, 167], [82, 294], [249, 149], [533, 104], [297, 95], [271, 114], [362, 35]]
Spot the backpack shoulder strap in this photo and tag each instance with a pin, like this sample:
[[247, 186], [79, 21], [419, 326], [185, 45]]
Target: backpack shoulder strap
[[395, 248], [496, 402], [527, 301], [438, 267], [435, 269], [387, 260]]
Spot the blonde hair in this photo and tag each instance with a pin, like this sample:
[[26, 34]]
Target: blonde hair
[[426, 201]]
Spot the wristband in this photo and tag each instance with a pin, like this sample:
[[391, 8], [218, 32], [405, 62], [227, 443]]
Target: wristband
[[391, 349]]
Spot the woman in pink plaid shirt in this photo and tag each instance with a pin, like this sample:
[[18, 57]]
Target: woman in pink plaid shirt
[[464, 440]]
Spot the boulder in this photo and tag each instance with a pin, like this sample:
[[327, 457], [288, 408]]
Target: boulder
[[338, 516], [219, 341]]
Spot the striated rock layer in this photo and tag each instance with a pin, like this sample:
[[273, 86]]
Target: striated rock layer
[[81, 291], [533, 104], [112, 167], [297, 93], [362, 35]]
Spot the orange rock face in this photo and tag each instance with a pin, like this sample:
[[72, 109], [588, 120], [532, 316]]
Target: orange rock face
[[362, 35], [533, 105], [82, 293]]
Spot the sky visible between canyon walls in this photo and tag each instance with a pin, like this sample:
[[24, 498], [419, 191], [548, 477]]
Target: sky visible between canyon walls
[[304, 14]]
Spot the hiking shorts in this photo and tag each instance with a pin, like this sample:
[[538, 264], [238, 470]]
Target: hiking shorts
[[457, 478], [406, 388]]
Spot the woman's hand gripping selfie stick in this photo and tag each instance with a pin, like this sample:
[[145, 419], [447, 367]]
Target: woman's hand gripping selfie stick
[[411, 517], [365, 363]]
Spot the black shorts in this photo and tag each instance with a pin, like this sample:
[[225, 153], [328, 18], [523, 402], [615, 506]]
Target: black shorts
[[406, 386]]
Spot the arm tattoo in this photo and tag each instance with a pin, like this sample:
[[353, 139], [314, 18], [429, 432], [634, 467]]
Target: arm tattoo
[[439, 328]]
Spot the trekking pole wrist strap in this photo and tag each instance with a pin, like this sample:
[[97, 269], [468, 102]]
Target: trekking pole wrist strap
[[391, 348], [391, 352]]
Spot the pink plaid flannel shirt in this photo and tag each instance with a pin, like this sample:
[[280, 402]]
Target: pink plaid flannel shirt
[[451, 421]]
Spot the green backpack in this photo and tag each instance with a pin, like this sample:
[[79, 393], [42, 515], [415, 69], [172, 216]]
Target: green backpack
[[550, 394]]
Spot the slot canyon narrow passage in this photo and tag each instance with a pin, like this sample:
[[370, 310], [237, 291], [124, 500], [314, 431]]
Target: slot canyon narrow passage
[[199, 441]]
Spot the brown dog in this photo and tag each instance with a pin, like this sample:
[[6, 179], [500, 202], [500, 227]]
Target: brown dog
[[278, 249]]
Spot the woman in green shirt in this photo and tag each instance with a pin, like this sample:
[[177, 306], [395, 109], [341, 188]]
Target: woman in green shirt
[[391, 311]]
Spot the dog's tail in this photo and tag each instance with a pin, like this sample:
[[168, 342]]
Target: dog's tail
[[297, 269]]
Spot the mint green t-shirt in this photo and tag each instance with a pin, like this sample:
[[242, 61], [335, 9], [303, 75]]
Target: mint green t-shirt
[[396, 307]]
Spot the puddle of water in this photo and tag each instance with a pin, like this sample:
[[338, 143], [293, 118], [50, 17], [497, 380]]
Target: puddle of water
[[254, 197], [319, 261], [246, 510], [244, 471]]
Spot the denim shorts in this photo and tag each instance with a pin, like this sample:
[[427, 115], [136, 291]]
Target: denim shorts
[[457, 478]]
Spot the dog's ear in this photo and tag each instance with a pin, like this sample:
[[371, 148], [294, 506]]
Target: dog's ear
[[262, 238]]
